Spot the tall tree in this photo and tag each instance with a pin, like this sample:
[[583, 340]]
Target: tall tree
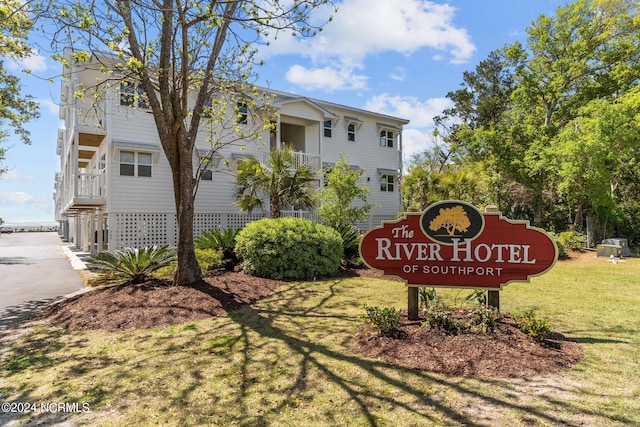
[[182, 54], [15, 109], [588, 50], [279, 177]]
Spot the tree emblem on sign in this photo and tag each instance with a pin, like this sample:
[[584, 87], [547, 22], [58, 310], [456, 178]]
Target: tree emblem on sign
[[452, 220]]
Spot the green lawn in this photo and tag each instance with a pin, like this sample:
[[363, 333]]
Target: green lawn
[[288, 361]]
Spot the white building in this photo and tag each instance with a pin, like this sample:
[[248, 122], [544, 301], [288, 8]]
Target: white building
[[114, 188]]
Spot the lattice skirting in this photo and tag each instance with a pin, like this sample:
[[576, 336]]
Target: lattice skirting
[[136, 230]]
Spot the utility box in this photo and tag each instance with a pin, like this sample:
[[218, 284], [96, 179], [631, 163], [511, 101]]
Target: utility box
[[609, 250], [620, 242]]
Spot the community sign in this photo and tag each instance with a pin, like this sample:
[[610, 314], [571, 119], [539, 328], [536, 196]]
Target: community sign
[[453, 244]]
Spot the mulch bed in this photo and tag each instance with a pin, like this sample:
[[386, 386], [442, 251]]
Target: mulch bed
[[507, 352]]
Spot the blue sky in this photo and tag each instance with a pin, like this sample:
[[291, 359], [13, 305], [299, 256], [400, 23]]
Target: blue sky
[[396, 57]]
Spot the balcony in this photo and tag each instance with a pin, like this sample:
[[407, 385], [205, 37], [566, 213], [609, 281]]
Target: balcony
[[87, 191]]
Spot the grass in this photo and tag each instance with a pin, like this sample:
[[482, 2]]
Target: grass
[[288, 361]]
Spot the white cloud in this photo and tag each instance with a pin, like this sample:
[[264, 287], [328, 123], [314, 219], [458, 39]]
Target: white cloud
[[34, 63], [326, 78], [51, 106], [366, 27], [399, 74], [17, 197], [420, 113], [14, 175], [417, 135]]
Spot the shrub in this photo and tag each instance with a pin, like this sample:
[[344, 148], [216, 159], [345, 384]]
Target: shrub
[[528, 323], [427, 296], [132, 264], [209, 259], [571, 240], [485, 318], [350, 245], [562, 251], [225, 241], [440, 316], [385, 319], [289, 248]]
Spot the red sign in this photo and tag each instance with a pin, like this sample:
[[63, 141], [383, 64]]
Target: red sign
[[452, 244]]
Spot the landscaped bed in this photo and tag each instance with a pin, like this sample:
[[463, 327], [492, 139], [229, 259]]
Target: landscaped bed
[[299, 353]]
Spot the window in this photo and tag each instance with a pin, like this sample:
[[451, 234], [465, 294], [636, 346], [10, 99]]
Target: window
[[206, 175], [132, 95], [386, 183], [207, 109], [351, 132], [386, 138], [133, 163], [243, 113], [327, 128]]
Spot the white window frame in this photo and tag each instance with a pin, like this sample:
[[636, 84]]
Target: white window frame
[[132, 95], [387, 181], [137, 164], [387, 138]]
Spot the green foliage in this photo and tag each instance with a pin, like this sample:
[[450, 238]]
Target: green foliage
[[528, 323], [478, 295], [572, 240], [485, 318], [225, 241], [562, 251], [350, 245], [132, 264], [210, 259], [279, 178], [385, 319], [289, 248], [440, 316], [342, 190], [426, 296], [16, 109]]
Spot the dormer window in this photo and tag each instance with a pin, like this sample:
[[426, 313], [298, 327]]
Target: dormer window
[[351, 132], [328, 128], [353, 125]]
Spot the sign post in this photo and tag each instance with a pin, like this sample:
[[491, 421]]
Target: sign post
[[453, 244]]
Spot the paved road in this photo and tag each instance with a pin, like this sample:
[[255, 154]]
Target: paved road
[[33, 270]]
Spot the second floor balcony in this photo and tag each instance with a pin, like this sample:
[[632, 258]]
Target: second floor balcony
[[83, 191]]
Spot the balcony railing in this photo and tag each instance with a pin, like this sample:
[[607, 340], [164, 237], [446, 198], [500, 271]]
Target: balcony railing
[[90, 186], [84, 191], [300, 158]]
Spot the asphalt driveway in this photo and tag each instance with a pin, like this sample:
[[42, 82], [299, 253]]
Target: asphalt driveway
[[34, 270]]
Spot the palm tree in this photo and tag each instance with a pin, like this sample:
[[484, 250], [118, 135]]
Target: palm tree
[[279, 178]]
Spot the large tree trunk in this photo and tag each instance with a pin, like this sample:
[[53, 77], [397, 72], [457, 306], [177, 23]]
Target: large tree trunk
[[188, 270]]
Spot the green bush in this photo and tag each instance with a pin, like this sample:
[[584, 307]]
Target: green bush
[[562, 251], [485, 318], [572, 240], [132, 264], [528, 323], [225, 241], [385, 319], [289, 248], [209, 259], [440, 316], [350, 245]]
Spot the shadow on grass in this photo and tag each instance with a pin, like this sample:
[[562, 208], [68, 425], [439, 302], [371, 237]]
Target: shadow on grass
[[314, 355], [309, 329]]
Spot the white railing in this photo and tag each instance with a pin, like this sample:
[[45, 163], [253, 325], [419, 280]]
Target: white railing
[[300, 158], [90, 185]]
